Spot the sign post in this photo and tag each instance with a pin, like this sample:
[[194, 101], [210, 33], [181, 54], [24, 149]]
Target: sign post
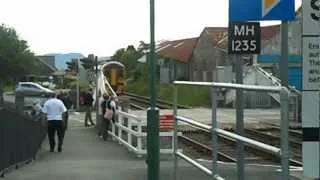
[[311, 86], [244, 38], [244, 11], [153, 150]]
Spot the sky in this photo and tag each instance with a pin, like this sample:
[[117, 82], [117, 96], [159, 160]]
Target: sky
[[103, 26]]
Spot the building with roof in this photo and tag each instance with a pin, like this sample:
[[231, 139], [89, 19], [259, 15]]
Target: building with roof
[[270, 55], [197, 58], [209, 52], [174, 58]]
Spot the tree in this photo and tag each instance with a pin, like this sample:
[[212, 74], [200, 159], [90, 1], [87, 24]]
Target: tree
[[16, 59], [128, 57], [72, 66], [88, 64]]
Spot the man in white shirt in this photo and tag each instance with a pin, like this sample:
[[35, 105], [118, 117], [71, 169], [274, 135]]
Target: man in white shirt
[[54, 108]]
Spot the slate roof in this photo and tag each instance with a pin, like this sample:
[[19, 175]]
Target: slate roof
[[180, 50]]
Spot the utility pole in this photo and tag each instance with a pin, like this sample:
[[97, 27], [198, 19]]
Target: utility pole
[[153, 151], [78, 86], [97, 90]]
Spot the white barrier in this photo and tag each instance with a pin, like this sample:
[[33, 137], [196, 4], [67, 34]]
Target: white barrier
[[129, 131]]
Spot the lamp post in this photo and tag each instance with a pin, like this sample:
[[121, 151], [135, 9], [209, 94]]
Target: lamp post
[[153, 151], [78, 79], [97, 89]]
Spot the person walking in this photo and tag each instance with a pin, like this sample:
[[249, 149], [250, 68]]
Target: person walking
[[107, 105], [87, 102], [54, 108]]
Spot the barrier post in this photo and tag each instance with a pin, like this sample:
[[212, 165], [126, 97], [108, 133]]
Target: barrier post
[[284, 123], [129, 133], [120, 124], [214, 134], [175, 129], [139, 138]]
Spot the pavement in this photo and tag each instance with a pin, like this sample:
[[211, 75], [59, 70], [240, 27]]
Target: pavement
[[226, 117], [86, 157]]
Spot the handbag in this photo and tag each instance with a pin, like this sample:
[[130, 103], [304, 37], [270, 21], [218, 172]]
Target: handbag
[[108, 114]]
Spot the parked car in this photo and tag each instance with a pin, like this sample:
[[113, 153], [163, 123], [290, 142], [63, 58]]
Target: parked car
[[33, 89]]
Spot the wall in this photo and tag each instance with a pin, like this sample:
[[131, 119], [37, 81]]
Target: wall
[[273, 46], [171, 70], [269, 58], [205, 58]]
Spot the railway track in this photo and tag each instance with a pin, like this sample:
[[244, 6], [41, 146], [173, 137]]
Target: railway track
[[201, 141], [142, 102], [271, 137]]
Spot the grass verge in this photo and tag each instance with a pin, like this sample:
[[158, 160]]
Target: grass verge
[[187, 95]]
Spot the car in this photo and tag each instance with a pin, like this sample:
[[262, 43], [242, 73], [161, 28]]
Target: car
[[33, 89]]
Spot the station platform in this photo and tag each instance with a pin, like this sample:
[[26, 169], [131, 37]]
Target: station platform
[[86, 157], [226, 117]]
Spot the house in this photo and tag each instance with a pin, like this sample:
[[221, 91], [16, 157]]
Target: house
[[196, 59], [270, 55], [45, 69], [173, 59], [209, 53]]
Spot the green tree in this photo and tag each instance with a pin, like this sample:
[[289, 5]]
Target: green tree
[[88, 64], [129, 56], [16, 59], [72, 66]]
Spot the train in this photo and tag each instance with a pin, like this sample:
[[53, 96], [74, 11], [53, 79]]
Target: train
[[115, 73]]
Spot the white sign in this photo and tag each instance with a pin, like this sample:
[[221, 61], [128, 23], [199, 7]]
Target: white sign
[[311, 63], [311, 17]]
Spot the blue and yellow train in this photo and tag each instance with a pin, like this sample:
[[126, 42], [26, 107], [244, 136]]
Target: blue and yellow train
[[115, 72]]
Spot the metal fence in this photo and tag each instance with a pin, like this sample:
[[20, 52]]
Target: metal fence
[[282, 152], [20, 138]]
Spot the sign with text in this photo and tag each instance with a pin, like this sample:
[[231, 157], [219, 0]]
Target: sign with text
[[311, 17], [244, 38], [311, 63], [260, 10]]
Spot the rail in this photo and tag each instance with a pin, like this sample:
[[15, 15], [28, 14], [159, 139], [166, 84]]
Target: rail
[[251, 142], [282, 152], [130, 130]]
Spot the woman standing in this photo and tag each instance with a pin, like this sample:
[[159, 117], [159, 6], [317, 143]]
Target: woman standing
[[109, 105]]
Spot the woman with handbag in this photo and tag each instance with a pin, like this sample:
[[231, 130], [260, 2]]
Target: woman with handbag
[[108, 107]]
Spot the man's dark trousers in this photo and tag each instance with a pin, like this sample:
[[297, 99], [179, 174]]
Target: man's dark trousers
[[53, 127]]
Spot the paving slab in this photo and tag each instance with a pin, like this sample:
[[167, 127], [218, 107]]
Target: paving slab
[[226, 117], [86, 157]]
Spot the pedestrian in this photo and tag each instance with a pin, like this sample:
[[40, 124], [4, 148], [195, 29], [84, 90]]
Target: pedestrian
[[54, 108], [36, 110], [65, 98], [108, 105], [87, 103]]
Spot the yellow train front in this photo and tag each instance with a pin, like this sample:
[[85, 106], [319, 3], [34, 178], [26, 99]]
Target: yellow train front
[[115, 73]]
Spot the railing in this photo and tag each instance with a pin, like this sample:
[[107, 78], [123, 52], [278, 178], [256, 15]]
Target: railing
[[20, 138], [130, 131], [283, 152]]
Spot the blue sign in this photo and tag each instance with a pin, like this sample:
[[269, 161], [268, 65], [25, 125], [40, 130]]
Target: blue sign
[[260, 10]]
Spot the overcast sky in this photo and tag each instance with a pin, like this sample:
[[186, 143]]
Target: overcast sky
[[103, 26]]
